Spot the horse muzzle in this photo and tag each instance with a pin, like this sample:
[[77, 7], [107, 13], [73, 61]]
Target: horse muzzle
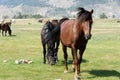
[[51, 60], [88, 37]]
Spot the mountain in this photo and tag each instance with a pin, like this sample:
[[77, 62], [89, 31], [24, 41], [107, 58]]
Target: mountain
[[58, 8], [14, 3]]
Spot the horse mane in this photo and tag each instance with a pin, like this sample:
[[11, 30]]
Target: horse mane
[[62, 20], [83, 15], [56, 30]]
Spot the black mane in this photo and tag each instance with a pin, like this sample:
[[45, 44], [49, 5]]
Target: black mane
[[83, 15]]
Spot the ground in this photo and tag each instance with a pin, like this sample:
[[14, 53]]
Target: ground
[[101, 60]]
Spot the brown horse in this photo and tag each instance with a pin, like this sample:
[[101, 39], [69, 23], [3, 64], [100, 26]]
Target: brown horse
[[75, 35], [5, 27]]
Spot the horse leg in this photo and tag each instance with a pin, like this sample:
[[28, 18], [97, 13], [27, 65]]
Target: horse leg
[[9, 32], [2, 33], [57, 45], [5, 32], [75, 61], [73, 65], [65, 58], [81, 51], [79, 61], [44, 53]]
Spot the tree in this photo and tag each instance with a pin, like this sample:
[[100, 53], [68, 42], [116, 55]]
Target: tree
[[36, 16], [5, 17], [19, 15], [25, 16], [103, 16]]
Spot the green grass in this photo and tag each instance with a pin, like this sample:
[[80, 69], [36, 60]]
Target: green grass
[[101, 60]]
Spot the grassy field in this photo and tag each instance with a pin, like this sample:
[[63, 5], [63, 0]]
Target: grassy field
[[101, 60]]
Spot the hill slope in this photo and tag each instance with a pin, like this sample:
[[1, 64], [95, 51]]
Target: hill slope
[[57, 8]]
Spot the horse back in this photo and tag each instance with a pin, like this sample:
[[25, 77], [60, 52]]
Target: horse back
[[71, 33], [46, 32], [66, 32], [5, 26]]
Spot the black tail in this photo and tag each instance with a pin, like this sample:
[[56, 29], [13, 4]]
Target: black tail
[[56, 30]]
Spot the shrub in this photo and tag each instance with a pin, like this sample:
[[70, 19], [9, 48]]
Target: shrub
[[103, 16]]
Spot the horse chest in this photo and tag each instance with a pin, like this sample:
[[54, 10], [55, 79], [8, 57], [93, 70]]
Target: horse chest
[[81, 42]]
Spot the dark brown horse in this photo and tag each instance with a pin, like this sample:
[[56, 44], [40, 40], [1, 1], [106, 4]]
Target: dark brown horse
[[75, 35], [50, 42], [50, 37], [5, 27]]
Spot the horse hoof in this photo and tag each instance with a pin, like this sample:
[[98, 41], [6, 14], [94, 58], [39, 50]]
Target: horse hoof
[[52, 63], [65, 71], [57, 61], [76, 78], [73, 68], [44, 62]]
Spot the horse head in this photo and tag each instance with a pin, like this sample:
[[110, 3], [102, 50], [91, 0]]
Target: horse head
[[85, 17], [51, 56]]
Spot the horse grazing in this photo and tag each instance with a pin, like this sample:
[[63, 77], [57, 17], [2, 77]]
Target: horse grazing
[[50, 36], [75, 35], [5, 27], [52, 43]]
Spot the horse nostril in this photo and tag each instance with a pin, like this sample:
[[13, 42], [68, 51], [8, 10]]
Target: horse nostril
[[87, 37]]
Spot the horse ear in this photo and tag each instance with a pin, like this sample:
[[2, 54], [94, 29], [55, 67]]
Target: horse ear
[[92, 11]]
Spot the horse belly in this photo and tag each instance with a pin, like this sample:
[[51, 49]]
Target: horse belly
[[66, 40]]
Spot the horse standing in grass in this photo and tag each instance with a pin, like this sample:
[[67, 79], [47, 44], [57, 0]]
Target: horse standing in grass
[[50, 36], [5, 27], [2, 21], [75, 35], [49, 42]]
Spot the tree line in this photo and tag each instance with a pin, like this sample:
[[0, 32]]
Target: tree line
[[24, 16], [19, 15]]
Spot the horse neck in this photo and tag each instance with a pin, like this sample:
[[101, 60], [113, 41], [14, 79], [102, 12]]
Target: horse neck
[[49, 25], [77, 29], [78, 25]]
